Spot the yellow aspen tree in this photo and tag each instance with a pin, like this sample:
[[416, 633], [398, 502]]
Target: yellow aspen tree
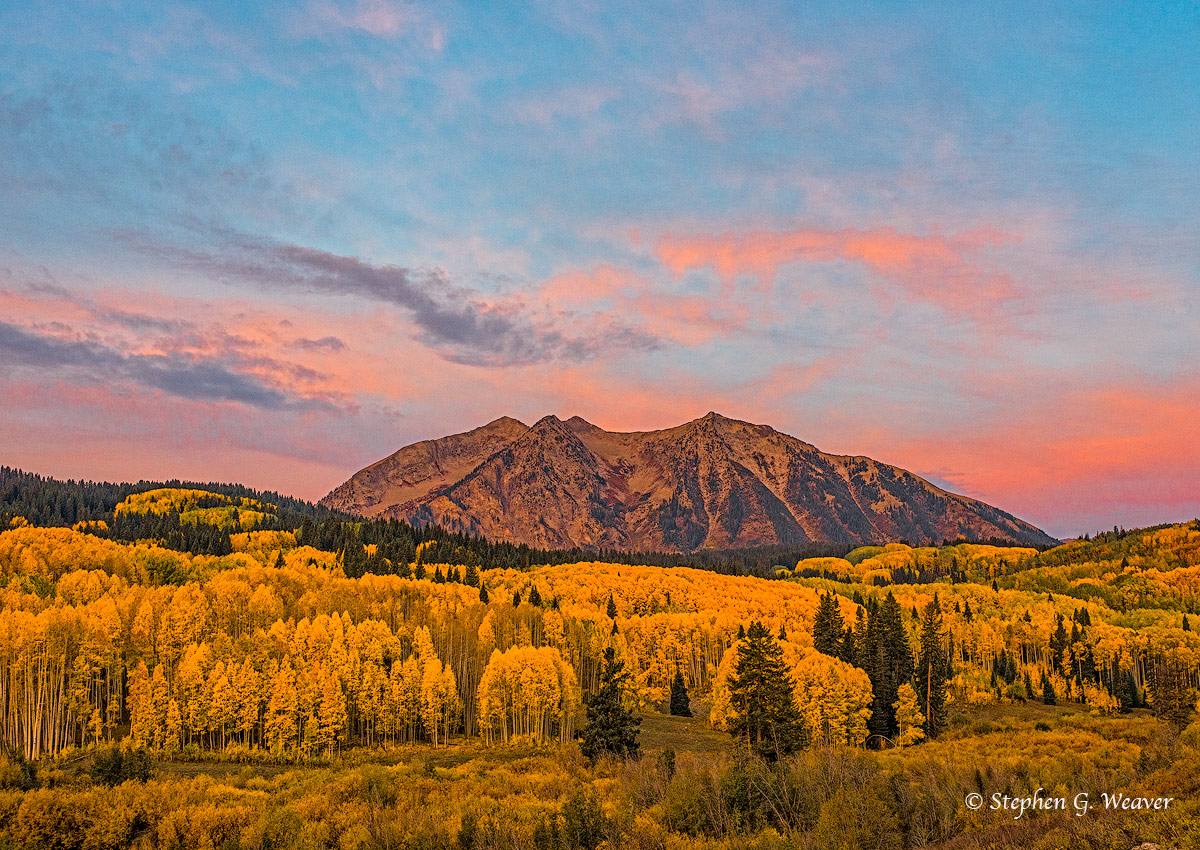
[[141, 723], [331, 714], [281, 721], [909, 719], [173, 727]]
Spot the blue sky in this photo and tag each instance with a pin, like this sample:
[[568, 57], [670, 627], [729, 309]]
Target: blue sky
[[274, 242]]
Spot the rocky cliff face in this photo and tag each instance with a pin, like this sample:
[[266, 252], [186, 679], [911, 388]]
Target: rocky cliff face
[[710, 483]]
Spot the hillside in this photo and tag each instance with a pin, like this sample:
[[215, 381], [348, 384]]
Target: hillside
[[713, 483], [254, 687]]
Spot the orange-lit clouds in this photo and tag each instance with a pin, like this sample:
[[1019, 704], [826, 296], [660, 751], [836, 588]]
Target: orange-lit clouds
[[1126, 449], [686, 319], [937, 269]]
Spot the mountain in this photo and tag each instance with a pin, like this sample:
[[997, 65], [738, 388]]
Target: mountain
[[712, 483]]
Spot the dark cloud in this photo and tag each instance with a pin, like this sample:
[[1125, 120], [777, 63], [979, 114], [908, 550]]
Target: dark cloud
[[456, 320], [176, 374], [325, 343]]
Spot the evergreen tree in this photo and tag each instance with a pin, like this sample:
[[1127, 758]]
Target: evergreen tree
[[1058, 644], [782, 633], [1171, 693], [741, 635], [516, 599], [611, 608], [1187, 627], [1028, 683], [967, 611], [762, 696], [610, 727], [995, 586], [828, 627], [848, 642], [483, 594], [681, 703], [1125, 689], [1048, 695], [892, 667], [931, 670], [535, 598], [471, 575]]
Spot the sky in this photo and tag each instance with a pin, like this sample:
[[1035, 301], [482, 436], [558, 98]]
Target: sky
[[272, 243]]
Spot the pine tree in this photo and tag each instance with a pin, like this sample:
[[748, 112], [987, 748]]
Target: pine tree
[[848, 643], [610, 728], [611, 608], [762, 696], [535, 598], [483, 594], [681, 704], [1125, 689], [1058, 644], [516, 599], [471, 575], [1048, 695], [931, 670], [1171, 694], [892, 666], [828, 627]]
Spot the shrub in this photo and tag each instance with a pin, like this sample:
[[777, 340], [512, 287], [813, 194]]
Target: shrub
[[114, 765]]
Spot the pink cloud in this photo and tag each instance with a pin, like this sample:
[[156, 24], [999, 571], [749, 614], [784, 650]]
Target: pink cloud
[[936, 269], [378, 18], [684, 318], [1125, 453]]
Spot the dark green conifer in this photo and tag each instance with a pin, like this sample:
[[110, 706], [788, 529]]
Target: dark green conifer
[[1048, 695], [931, 670], [761, 695], [828, 626], [610, 728], [681, 703]]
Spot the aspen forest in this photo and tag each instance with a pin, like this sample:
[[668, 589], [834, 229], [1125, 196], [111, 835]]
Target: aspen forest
[[319, 685]]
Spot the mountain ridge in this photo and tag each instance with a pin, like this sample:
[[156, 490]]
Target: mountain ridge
[[709, 483]]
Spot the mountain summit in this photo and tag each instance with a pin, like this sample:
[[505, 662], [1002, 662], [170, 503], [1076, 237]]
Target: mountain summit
[[710, 483]]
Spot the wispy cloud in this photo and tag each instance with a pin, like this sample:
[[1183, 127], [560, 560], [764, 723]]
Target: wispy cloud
[[379, 18], [938, 269], [175, 374], [465, 325]]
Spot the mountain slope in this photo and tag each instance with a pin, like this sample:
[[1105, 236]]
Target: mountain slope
[[710, 483]]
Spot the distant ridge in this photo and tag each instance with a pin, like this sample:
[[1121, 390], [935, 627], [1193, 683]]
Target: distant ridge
[[712, 483]]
